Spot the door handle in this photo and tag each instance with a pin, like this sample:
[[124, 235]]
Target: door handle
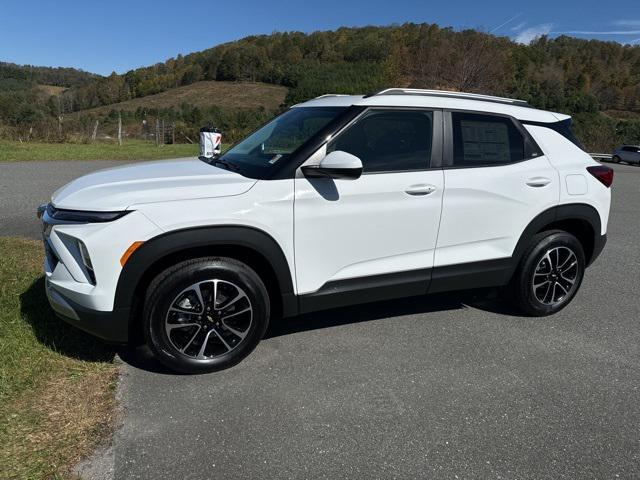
[[538, 181], [418, 190]]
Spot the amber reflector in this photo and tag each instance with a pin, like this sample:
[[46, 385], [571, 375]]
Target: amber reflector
[[132, 248]]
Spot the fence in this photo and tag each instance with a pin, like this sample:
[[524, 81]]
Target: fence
[[601, 157]]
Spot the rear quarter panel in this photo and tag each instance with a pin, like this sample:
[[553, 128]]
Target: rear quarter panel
[[577, 185]]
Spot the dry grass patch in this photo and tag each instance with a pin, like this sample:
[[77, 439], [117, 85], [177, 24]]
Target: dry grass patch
[[57, 384], [210, 93]]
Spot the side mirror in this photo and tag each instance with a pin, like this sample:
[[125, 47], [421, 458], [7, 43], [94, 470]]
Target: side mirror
[[337, 164]]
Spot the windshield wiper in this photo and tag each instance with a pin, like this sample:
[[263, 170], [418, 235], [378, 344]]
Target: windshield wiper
[[225, 164]]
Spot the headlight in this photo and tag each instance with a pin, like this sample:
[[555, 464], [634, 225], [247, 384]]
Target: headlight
[[83, 216]]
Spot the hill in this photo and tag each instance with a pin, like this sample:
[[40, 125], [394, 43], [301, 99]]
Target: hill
[[224, 95], [569, 75], [58, 76], [565, 74]]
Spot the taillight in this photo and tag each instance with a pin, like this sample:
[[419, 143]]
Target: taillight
[[602, 173]]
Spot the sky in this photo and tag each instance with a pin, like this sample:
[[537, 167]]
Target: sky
[[115, 35]]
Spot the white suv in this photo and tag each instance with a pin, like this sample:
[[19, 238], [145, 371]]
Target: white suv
[[339, 200]]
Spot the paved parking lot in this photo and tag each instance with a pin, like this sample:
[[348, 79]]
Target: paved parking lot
[[454, 386]]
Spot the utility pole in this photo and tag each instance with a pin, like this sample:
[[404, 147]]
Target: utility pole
[[120, 128], [95, 132], [60, 117], [157, 132]]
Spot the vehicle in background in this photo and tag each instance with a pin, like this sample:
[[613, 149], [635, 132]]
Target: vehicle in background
[[627, 153]]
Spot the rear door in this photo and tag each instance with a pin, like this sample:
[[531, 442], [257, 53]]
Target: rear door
[[381, 228], [497, 180]]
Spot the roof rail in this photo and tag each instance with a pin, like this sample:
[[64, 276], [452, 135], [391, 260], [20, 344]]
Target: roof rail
[[332, 95], [449, 94]]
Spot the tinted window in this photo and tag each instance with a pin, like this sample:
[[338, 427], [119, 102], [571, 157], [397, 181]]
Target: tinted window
[[389, 140], [485, 140], [274, 142], [564, 129]]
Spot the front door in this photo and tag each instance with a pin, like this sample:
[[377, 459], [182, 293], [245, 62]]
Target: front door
[[381, 228]]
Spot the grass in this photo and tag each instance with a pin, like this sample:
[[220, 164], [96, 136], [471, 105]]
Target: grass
[[11, 151], [207, 94], [57, 384]]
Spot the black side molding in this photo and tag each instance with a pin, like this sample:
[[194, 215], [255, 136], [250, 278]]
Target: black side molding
[[488, 273], [373, 288]]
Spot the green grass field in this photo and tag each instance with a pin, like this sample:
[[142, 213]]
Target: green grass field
[[57, 384], [130, 150]]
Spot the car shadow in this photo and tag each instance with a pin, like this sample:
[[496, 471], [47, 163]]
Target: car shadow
[[55, 334], [489, 300], [72, 342]]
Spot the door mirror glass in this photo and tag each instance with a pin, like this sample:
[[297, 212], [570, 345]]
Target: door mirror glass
[[337, 164]]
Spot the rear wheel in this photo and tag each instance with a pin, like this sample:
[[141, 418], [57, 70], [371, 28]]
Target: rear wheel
[[205, 314], [550, 273]]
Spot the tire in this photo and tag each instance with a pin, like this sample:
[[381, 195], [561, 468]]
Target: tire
[[536, 268], [616, 159], [205, 314]]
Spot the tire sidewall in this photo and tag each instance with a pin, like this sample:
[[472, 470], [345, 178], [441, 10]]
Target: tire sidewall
[[528, 301], [165, 293]]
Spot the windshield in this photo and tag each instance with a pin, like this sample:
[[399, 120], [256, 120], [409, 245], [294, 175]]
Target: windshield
[[279, 138]]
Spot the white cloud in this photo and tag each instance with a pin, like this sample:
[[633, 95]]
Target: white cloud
[[627, 23], [593, 32], [530, 34], [518, 27]]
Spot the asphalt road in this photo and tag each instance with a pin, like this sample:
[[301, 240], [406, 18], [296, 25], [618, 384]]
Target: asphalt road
[[25, 185], [453, 386]]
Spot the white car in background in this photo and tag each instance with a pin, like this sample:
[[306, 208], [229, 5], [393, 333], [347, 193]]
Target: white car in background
[[339, 200], [627, 153]]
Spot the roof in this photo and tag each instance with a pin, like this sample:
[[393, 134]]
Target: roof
[[398, 97]]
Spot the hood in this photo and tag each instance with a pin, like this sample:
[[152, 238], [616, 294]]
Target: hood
[[148, 182]]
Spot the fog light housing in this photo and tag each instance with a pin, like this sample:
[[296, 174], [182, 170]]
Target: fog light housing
[[86, 261]]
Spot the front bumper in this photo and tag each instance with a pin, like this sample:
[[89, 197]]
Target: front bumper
[[112, 326]]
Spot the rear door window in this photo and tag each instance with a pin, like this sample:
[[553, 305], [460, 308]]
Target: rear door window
[[484, 140]]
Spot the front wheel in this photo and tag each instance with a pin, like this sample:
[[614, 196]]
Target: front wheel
[[205, 314], [616, 159], [550, 273]]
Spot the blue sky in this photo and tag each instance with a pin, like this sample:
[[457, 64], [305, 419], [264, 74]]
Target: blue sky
[[120, 35]]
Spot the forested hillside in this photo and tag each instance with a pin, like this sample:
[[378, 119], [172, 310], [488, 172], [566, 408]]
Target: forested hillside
[[580, 77], [28, 94]]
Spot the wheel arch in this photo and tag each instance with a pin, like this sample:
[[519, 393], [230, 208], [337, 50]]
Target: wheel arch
[[247, 244], [580, 219]]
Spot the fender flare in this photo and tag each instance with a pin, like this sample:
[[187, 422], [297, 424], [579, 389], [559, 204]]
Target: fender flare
[[176, 241], [570, 211]]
